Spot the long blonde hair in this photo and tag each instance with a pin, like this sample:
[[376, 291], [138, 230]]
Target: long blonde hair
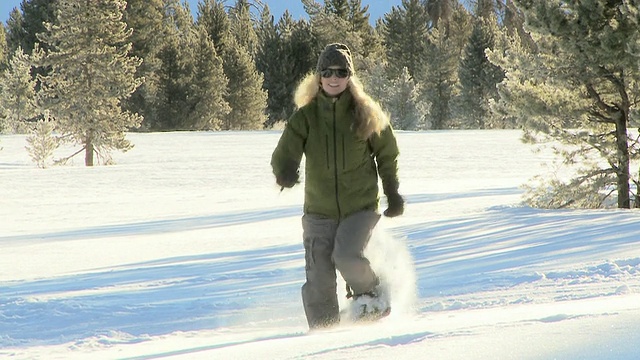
[[370, 118]]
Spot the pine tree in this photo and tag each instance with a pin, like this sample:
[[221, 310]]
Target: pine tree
[[514, 24], [578, 91], [377, 83], [15, 33], [358, 16], [42, 143], [207, 104], [441, 72], [440, 12], [270, 61], [301, 47], [408, 112], [346, 21], [312, 8], [192, 84], [145, 18], [3, 65], [245, 95], [478, 76], [401, 97], [372, 48], [331, 26], [340, 8], [176, 74], [487, 8], [91, 74], [18, 93], [405, 38], [24, 26], [242, 26], [285, 54], [4, 48], [212, 16]]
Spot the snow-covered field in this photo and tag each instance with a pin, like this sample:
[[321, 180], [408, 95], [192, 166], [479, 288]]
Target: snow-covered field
[[186, 249]]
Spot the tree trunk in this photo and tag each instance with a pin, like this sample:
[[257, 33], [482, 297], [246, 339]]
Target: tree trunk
[[624, 176], [88, 154]]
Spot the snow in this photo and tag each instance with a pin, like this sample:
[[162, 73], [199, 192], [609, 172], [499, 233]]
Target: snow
[[186, 249]]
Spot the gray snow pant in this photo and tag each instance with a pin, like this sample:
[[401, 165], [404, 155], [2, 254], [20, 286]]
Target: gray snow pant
[[332, 245]]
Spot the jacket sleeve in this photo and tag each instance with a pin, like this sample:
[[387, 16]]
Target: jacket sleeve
[[385, 150], [290, 148]]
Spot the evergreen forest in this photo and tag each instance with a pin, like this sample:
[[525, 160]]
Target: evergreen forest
[[565, 72]]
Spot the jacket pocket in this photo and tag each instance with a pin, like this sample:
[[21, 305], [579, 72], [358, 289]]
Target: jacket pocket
[[355, 153], [309, 259]]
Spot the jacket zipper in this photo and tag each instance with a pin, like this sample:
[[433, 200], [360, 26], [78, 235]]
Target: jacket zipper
[[344, 156], [326, 140], [335, 158]]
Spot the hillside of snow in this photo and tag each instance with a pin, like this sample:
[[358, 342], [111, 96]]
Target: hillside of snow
[[186, 249]]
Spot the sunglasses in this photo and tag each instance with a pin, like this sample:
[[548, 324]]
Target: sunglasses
[[341, 73]]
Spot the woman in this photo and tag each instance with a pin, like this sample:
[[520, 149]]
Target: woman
[[347, 141]]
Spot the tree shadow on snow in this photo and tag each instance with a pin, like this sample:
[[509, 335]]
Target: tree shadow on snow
[[159, 226], [193, 351], [390, 341], [506, 246], [184, 293]]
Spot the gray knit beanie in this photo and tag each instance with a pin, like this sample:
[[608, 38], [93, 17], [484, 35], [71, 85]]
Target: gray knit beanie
[[335, 55]]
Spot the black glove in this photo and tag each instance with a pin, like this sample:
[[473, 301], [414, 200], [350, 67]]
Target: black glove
[[396, 205], [395, 202], [289, 175]]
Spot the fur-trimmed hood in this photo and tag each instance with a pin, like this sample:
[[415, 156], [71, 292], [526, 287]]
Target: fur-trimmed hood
[[369, 117]]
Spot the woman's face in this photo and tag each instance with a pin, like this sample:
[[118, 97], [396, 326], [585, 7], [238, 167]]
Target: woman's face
[[334, 80]]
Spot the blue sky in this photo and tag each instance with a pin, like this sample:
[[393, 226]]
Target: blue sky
[[377, 8], [6, 6]]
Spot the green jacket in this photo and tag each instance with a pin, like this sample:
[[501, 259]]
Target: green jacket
[[341, 170]]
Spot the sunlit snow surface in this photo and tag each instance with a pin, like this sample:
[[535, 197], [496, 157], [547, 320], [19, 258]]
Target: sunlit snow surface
[[187, 249]]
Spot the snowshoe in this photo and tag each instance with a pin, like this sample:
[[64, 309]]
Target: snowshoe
[[370, 306]]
